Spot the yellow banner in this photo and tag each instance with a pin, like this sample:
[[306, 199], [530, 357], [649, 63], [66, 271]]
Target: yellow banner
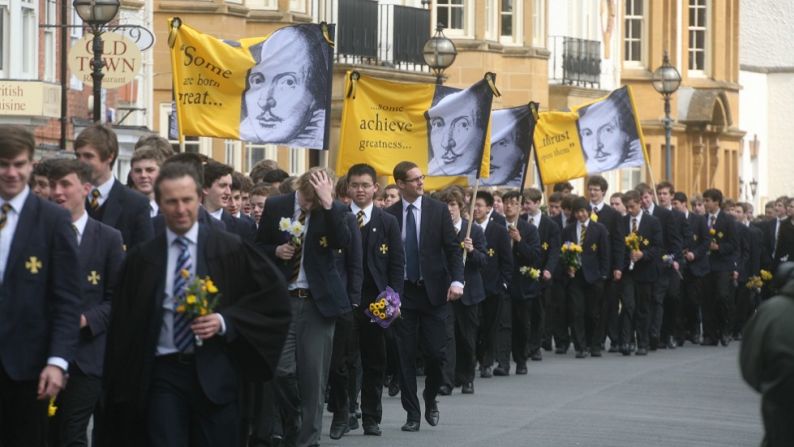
[[383, 123], [443, 130], [274, 89], [557, 147]]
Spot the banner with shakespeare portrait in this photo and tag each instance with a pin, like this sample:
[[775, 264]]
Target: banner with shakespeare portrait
[[443, 130], [596, 137], [511, 142], [266, 90]]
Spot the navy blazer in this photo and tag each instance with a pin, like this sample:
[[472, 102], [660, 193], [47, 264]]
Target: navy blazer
[[672, 233], [609, 218], [327, 232], [385, 255], [243, 226], [785, 242], [724, 258], [101, 256], [474, 292], [595, 250], [550, 235], [497, 273], [41, 292], [127, 211], [349, 262], [698, 244], [646, 269], [525, 254], [440, 262]]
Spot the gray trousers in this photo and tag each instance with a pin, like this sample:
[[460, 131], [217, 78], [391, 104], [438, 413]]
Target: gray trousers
[[302, 373]]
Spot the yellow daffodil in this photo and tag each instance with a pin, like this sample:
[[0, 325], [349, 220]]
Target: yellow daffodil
[[720, 235], [210, 286], [765, 275], [51, 408], [185, 274], [593, 216], [712, 231], [190, 299], [202, 311], [180, 308]]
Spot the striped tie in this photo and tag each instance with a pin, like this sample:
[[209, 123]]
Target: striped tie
[[183, 336], [360, 218], [95, 195], [4, 210], [583, 235], [296, 267]]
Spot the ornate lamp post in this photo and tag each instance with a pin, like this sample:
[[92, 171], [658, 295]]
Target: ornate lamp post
[[439, 53], [97, 13], [666, 80]]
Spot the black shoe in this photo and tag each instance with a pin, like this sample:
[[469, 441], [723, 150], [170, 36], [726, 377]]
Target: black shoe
[[485, 373], [595, 352], [546, 346], [394, 388], [372, 429], [679, 342], [410, 426], [613, 348], [468, 388], [561, 350], [431, 412], [625, 350], [725, 340], [500, 371], [654, 344], [352, 423], [641, 351], [338, 429], [444, 390], [521, 369], [580, 354], [708, 342], [537, 355]]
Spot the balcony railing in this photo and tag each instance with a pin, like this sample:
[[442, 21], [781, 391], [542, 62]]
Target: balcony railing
[[375, 34], [575, 61]]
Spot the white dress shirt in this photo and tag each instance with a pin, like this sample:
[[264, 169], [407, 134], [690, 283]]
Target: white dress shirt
[[79, 226], [417, 217], [596, 207], [217, 214], [165, 345], [534, 219], [639, 219], [154, 208], [301, 282], [7, 233], [367, 211], [104, 190]]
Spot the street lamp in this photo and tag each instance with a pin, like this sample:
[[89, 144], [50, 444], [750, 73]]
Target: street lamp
[[666, 80], [439, 53], [96, 13]]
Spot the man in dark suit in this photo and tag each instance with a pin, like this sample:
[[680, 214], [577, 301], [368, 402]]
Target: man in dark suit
[[695, 268], [723, 247], [101, 254], [170, 379], [464, 318], [349, 263], [318, 296], [671, 236], [640, 271], [607, 216], [496, 274], [784, 248], [549, 235], [433, 276], [110, 202], [748, 266], [586, 288], [525, 303], [671, 266], [40, 296], [216, 193], [383, 266]]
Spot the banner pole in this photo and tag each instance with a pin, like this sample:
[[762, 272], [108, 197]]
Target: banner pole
[[471, 215]]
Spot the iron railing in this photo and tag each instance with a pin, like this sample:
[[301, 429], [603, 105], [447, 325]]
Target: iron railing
[[575, 61]]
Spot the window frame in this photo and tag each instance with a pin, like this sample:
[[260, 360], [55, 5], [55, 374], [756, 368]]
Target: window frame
[[516, 37], [643, 37], [491, 20], [539, 23], [5, 47], [704, 28], [50, 62], [467, 32]]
